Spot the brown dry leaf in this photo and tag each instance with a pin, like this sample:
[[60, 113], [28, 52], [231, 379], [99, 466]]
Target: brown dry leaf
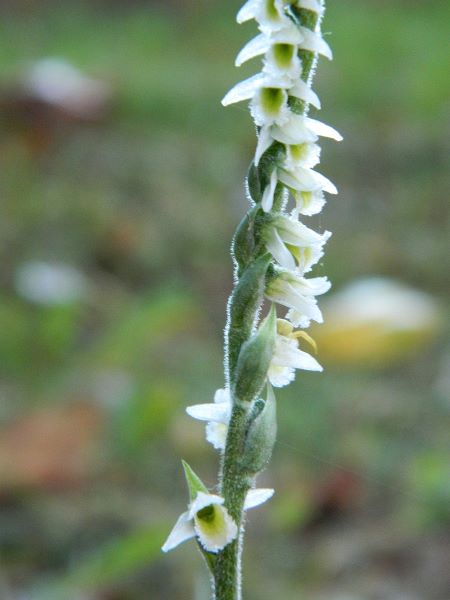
[[50, 448]]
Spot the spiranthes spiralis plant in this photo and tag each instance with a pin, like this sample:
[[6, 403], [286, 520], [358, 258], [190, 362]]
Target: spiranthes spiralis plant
[[272, 251]]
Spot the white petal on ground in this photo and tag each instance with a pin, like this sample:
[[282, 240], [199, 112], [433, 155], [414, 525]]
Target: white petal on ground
[[182, 531], [257, 496], [50, 283]]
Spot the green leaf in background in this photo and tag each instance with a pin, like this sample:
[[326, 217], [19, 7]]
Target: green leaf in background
[[108, 565]]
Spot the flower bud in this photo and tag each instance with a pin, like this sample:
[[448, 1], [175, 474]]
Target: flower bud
[[254, 360], [261, 435], [245, 302]]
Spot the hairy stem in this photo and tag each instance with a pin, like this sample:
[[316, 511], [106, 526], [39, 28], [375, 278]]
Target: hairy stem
[[234, 484]]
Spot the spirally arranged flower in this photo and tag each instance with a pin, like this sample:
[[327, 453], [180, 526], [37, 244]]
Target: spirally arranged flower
[[279, 97], [273, 254]]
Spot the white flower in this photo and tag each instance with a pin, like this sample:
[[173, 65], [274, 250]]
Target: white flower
[[282, 58], [308, 203], [297, 130], [305, 155], [313, 41], [269, 14], [217, 415], [298, 294], [210, 521], [269, 106], [268, 97], [287, 355], [293, 245], [297, 180], [261, 43], [300, 129], [306, 180], [207, 519]]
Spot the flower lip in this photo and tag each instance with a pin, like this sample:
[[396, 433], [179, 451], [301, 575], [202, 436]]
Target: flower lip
[[202, 501]]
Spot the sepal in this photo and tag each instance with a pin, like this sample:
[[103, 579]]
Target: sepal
[[245, 302], [243, 248], [261, 435], [254, 360], [194, 483]]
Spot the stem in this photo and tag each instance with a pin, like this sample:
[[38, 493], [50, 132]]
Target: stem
[[234, 488], [234, 484]]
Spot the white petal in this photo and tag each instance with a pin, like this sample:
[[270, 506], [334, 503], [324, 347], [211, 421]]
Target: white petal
[[296, 233], [267, 199], [286, 295], [323, 130], [308, 203], [256, 497], [302, 90], [216, 434], [306, 180], [255, 47], [201, 501], [210, 412], [275, 246], [290, 34], [310, 5], [294, 131], [306, 362], [314, 42], [217, 534], [248, 11], [263, 108], [244, 90], [222, 395], [183, 530], [300, 320], [302, 155], [314, 286], [287, 355], [264, 141], [280, 376]]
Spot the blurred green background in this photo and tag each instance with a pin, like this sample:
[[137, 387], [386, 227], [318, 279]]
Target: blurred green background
[[121, 185]]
